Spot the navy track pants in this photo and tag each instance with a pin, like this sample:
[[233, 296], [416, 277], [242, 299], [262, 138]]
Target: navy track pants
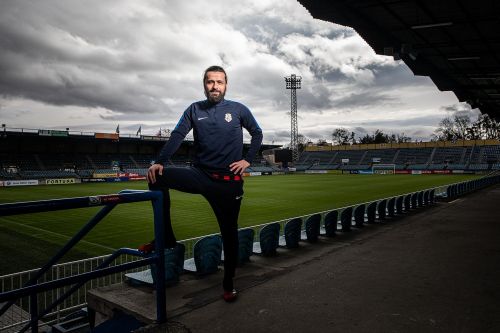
[[223, 196]]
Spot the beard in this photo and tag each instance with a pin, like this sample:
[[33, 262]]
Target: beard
[[213, 97]]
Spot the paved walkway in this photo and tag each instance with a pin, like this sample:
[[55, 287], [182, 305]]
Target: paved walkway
[[435, 271]]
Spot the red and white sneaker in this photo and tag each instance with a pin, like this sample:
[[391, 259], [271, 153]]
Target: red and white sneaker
[[230, 296], [147, 248]]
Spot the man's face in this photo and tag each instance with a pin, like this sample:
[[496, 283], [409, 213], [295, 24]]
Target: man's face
[[215, 86]]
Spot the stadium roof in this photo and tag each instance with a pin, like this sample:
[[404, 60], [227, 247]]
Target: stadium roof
[[454, 42]]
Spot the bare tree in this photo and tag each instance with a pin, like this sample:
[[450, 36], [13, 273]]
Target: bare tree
[[340, 136]]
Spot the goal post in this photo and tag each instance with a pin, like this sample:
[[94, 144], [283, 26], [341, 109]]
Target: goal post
[[384, 169]]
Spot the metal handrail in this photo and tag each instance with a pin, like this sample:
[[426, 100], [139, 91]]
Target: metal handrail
[[110, 201]]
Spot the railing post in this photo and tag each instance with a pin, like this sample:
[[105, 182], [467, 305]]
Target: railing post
[[161, 302], [34, 313]]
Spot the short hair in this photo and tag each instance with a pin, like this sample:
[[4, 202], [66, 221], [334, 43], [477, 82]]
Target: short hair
[[214, 69]]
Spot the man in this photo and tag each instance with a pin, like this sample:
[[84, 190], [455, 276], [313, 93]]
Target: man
[[218, 165]]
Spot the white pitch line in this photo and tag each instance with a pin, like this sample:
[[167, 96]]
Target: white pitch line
[[60, 235]]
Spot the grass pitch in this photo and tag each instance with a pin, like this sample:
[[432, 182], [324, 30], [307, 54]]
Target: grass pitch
[[28, 241]]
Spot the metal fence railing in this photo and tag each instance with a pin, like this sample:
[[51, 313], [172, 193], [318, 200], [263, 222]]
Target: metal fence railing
[[44, 294]]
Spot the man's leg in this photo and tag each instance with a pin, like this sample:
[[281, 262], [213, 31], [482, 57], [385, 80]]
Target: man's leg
[[181, 179], [225, 200]]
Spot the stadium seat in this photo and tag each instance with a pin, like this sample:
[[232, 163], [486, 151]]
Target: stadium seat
[[414, 200], [312, 226], [206, 256], [420, 198], [381, 209], [399, 205], [174, 262], [371, 212], [346, 219], [390, 207], [432, 196], [245, 240], [407, 201], [359, 215], [268, 240], [330, 223], [426, 198], [292, 232]]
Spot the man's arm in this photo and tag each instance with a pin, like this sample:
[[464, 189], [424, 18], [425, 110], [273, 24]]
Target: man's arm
[[176, 137], [250, 124]]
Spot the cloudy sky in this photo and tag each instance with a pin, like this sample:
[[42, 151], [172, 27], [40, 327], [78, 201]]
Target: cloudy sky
[[92, 65]]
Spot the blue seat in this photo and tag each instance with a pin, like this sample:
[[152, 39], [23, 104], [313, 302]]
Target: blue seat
[[414, 200], [391, 204], [312, 226], [432, 196], [420, 199], [346, 219], [426, 197], [292, 232], [268, 240], [206, 255], [399, 205], [407, 201], [371, 212], [245, 241], [359, 215], [174, 262], [381, 209], [330, 223]]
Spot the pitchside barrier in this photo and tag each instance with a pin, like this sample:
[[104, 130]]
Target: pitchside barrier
[[24, 296], [93, 268]]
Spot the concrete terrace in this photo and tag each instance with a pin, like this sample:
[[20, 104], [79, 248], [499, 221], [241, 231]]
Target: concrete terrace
[[435, 269]]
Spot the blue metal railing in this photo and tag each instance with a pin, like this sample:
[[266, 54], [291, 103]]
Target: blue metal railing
[[110, 201]]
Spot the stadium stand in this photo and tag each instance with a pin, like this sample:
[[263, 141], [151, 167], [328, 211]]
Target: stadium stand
[[25, 154]]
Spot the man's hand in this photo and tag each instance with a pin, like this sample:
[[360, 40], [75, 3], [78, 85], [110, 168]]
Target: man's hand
[[239, 167], [152, 172]]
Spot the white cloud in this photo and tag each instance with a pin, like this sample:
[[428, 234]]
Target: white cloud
[[94, 64]]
